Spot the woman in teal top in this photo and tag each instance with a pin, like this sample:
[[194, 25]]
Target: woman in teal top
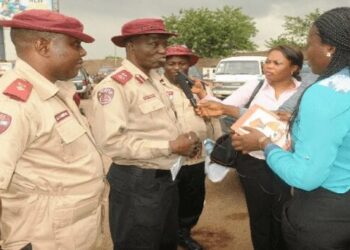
[[318, 164]]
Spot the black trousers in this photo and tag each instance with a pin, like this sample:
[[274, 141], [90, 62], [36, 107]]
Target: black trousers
[[317, 220], [265, 195], [191, 185], [142, 208]]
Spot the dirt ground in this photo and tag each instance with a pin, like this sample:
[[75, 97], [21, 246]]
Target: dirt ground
[[223, 224]]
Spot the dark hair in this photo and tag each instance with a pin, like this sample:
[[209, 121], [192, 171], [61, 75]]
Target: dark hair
[[333, 28], [22, 38], [294, 55]]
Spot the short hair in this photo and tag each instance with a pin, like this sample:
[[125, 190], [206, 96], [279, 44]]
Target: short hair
[[294, 55], [334, 29], [23, 38]]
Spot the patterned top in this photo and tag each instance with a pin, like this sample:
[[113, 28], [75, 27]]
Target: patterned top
[[321, 139]]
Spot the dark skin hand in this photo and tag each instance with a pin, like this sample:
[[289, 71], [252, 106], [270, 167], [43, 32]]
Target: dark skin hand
[[187, 144], [198, 89], [250, 141], [284, 115]]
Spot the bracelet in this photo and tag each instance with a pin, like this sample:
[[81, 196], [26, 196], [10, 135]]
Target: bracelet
[[261, 141]]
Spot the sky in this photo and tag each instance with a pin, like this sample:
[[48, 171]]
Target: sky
[[103, 18]]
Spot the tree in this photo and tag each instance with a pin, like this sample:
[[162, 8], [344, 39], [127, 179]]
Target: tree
[[212, 33], [296, 30]]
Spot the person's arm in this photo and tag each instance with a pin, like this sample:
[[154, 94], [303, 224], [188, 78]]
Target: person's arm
[[110, 129], [290, 104], [318, 135], [15, 127], [230, 106]]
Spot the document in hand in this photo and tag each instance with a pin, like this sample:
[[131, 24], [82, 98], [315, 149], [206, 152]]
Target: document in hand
[[267, 122]]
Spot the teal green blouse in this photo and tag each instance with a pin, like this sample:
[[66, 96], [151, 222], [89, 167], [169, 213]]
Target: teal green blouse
[[320, 155]]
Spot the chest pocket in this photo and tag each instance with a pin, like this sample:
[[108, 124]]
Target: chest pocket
[[151, 105], [74, 141]]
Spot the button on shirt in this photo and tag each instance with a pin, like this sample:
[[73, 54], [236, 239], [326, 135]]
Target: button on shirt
[[135, 123]]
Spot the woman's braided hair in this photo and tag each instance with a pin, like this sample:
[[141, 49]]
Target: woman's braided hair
[[334, 29]]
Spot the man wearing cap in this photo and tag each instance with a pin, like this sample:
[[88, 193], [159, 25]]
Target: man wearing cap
[[136, 125], [191, 177], [51, 175]]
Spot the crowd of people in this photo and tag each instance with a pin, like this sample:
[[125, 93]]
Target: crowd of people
[[52, 178]]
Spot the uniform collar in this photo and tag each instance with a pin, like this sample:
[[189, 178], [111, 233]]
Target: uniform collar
[[134, 70], [43, 87]]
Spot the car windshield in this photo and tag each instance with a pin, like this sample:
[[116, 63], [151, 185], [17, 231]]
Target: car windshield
[[238, 68]]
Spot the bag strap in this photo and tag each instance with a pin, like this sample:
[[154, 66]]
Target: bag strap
[[256, 90]]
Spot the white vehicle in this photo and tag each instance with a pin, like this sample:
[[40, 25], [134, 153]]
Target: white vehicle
[[231, 73]]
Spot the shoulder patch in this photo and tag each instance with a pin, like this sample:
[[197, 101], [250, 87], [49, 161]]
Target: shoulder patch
[[19, 90], [5, 122], [105, 96], [140, 78], [122, 77]]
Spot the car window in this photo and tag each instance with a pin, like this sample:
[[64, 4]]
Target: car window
[[238, 68]]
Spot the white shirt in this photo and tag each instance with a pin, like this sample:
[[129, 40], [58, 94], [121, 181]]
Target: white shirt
[[265, 98]]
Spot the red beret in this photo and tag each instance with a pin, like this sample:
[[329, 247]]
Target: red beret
[[138, 27], [49, 21], [180, 50]]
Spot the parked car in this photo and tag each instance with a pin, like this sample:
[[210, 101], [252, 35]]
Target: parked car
[[103, 72], [83, 84], [193, 71], [231, 73]]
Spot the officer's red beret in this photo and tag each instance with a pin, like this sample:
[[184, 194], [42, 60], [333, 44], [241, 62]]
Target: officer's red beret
[[140, 27], [180, 50], [49, 21]]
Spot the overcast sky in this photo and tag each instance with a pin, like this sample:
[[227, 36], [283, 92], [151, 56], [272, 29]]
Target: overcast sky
[[103, 18]]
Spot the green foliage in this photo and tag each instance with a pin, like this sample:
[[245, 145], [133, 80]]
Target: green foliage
[[296, 30], [212, 33]]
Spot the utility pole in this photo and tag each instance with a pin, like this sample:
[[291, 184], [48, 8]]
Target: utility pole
[[2, 45]]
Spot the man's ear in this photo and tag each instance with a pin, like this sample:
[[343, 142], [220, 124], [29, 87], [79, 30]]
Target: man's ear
[[42, 46]]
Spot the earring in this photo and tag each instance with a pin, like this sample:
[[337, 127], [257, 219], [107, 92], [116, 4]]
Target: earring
[[328, 54]]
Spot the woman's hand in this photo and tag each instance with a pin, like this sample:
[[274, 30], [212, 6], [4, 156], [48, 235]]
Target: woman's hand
[[253, 141], [198, 89], [210, 109], [284, 115]]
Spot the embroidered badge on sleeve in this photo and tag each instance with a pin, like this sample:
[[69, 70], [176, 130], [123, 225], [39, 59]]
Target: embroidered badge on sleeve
[[5, 122], [105, 96], [122, 77]]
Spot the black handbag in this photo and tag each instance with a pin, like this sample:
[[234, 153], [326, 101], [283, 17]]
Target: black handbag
[[223, 153]]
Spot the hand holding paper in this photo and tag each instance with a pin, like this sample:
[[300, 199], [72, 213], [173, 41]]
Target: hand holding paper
[[266, 122]]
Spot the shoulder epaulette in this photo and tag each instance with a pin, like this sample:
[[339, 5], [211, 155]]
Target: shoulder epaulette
[[19, 89], [122, 77]]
